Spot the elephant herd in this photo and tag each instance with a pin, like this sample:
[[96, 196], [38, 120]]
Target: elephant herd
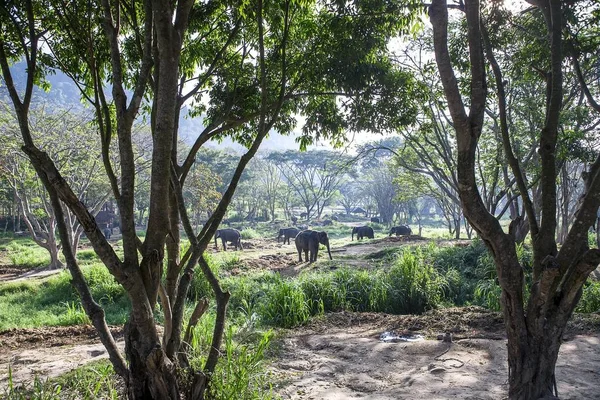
[[307, 241]]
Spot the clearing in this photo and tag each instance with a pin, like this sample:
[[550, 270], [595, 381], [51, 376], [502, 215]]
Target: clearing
[[341, 356]]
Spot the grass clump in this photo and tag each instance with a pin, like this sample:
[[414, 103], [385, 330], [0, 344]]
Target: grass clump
[[96, 380], [241, 374], [286, 305], [250, 233], [407, 287]]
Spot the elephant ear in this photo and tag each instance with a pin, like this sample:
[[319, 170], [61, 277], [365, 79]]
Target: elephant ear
[[323, 236]]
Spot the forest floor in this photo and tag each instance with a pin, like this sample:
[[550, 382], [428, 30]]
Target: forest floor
[[345, 356]]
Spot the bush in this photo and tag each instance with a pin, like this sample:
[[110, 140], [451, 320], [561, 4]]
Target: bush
[[410, 286], [87, 255], [199, 286], [96, 380]]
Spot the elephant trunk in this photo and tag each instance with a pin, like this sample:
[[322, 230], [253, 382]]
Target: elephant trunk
[[329, 251], [353, 234]]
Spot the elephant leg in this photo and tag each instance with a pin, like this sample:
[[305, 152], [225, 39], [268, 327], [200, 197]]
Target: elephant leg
[[224, 245], [306, 254]]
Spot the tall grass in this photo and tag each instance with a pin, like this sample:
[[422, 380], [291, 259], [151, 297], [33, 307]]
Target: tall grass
[[241, 374], [250, 233], [409, 285]]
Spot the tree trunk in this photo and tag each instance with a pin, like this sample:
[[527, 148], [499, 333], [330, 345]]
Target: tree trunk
[[152, 375], [55, 262], [457, 222], [532, 366]]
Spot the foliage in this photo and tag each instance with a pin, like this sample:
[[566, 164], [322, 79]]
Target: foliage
[[242, 375], [590, 298], [285, 305]]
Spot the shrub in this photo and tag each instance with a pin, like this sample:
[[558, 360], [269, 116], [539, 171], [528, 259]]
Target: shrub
[[95, 380]]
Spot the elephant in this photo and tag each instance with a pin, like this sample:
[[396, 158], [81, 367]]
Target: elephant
[[304, 215], [401, 230], [362, 231], [327, 222], [232, 236], [294, 219], [375, 220], [287, 233], [309, 241]]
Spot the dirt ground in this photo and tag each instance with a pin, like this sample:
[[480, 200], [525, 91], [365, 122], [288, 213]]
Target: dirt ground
[[345, 359], [49, 351]]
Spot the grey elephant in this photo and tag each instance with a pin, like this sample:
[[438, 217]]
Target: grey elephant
[[362, 231], [401, 230], [308, 241], [375, 220], [287, 234], [232, 236]]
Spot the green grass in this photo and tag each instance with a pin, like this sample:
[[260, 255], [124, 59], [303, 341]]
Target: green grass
[[24, 252], [250, 233], [54, 301], [95, 380]]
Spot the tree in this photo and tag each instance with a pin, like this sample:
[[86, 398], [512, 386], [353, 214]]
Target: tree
[[68, 138], [379, 186], [315, 176], [351, 195], [534, 327], [245, 78], [271, 184]]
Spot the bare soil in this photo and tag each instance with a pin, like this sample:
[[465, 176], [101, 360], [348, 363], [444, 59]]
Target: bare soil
[[341, 357], [49, 351]]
